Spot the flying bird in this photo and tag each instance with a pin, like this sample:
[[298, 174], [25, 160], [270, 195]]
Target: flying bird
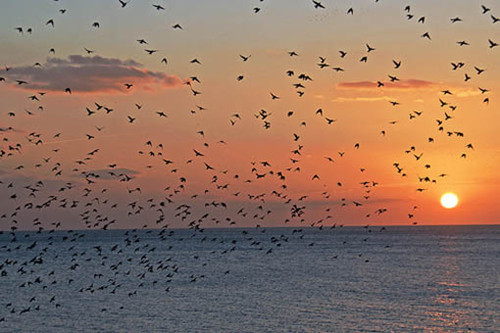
[[245, 58], [426, 35], [318, 4]]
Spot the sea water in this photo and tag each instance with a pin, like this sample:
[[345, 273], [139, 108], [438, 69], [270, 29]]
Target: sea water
[[351, 279]]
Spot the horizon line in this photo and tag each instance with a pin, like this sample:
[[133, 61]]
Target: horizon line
[[254, 227]]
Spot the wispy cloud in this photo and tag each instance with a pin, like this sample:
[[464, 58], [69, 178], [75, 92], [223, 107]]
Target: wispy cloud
[[402, 84], [468, 93], [91, 74], [107, 174], [357, 85], [4, 128], [362, 99]]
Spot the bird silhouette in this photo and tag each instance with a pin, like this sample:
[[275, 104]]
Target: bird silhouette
[[318, 4]]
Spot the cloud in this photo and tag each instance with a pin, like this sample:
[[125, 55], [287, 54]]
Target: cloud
[[357, 85], [362, 99], [4, 128], [76, 59], [108, 174], [468, 93], [402, 84], [91, 74]]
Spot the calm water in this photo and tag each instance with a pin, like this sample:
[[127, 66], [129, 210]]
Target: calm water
[[403, 279]]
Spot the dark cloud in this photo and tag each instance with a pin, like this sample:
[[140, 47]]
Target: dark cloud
[[91, 74], [76, 59]]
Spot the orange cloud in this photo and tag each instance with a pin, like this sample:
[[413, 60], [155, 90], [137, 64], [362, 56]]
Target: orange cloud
[[90, 74], [362, 99], [402, 84]]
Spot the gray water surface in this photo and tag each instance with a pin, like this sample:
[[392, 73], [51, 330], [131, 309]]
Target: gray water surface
[[402, 279]]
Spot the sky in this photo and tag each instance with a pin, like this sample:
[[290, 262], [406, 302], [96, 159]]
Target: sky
[[221, 126]]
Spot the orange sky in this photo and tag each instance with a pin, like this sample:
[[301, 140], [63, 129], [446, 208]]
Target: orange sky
[[359, 112]]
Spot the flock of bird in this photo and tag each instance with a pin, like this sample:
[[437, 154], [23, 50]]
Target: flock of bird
[[77, 190]]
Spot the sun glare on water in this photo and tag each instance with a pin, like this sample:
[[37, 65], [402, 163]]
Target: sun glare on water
[[449, 200]]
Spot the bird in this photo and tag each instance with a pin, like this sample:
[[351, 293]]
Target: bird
[[393, 78], [245, 58], [318, 4], [479, 71]]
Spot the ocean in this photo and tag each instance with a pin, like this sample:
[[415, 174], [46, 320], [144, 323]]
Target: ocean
[[351, 279]]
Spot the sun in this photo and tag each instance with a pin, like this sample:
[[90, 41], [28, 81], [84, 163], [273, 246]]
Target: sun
[[449, 200]]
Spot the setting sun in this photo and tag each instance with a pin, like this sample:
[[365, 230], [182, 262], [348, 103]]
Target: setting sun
[[449, 200]]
